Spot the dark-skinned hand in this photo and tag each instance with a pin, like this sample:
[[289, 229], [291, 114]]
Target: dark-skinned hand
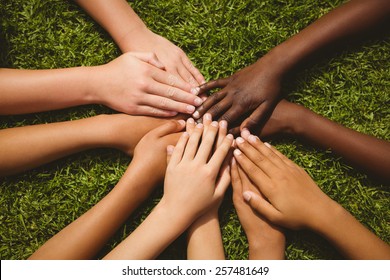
[[249, 95]]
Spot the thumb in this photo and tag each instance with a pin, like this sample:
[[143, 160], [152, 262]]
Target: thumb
[[150, 58]]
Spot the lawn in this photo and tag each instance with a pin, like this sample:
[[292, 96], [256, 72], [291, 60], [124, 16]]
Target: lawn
[[350, 87]]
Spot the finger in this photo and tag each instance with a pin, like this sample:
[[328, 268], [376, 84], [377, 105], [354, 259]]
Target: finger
[[262, 206], [146, 110], [220, 83], [265, 151], [168, 128], [256, 175], [170, 150], [213, 99], [150, 58], [235, 131], [236, 179], [219, 107], [245, 181], [190, 125], [223, 181], [207, 120], [285, 159], [222, 151], [166, 104], [193, 70], [168, 85], [255, 156], [207, 143], [222, 131], [230, 115], [178, 151], [257, 116], [193, 143]]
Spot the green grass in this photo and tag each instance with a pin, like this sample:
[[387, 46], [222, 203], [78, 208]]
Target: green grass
[[350, 87]]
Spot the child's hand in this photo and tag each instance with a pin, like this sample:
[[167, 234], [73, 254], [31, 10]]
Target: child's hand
[[291, 198], [150, 153], [195, 180], [175, 60], [266, 241], [137, 84]]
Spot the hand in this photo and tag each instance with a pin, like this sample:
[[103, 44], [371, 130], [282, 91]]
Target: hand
[[150, 152], [175, 60], [266, 241], [286, 119], [136, 83], [222, 131], [195, 178], [252, 91], [291, 198]]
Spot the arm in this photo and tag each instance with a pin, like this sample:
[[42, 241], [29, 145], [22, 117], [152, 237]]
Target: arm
[[256, 89], [49, 142], [83, 238], [181, 192], [266, 241], [131, 34], [293, 200], [134, 83], [369, 153]]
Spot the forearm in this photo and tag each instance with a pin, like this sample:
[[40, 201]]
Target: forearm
[[23, 148], [118, 18], [83, 238], [204, 240], [350, 237], [366, 152], [28, 91], [340, 25], [268, 244], [156, 232]]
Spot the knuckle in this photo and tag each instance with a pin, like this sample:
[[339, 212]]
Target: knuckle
[[171, 92], [172, 79]]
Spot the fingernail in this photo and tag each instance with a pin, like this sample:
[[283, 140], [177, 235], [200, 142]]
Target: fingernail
[[247, 196], [252, 138], [196, 115], [191, 121], [190, 108], [230, 136], [214, 123], [182, 122], [195, 91], [240, 140], [198, 101], [199, 125], [223, 124], [208, 117], [233, 161], [267, 144], [237, 152], [170, 149], [245, 133]]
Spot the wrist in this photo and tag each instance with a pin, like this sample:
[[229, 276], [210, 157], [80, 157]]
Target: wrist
[[134, 39], [298, 122]]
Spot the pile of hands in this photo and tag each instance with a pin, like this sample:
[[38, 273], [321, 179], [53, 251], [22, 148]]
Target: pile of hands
[[269, 190]]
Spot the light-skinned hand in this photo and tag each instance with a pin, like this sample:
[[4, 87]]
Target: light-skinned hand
[[138, 84], [196, 177], [290, 197]]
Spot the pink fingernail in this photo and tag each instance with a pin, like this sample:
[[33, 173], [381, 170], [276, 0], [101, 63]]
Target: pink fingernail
[[240, 140], [223, 124], [252, 138], [237, 152], [247, 196], [267, 144], [196, 115], [190, 108], [198, 101]]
